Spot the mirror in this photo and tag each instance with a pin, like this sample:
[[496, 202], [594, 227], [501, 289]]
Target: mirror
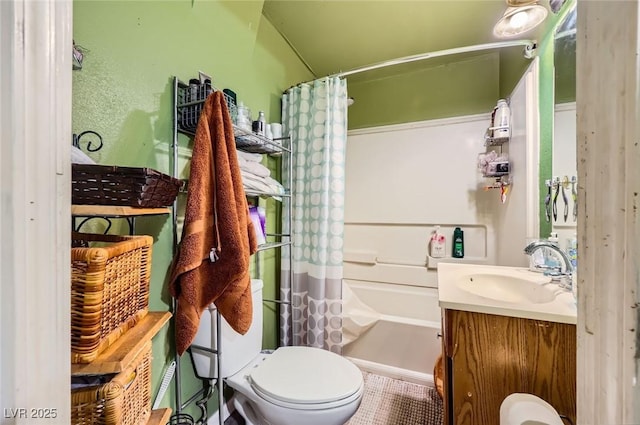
[[564, 184], [564, 58]]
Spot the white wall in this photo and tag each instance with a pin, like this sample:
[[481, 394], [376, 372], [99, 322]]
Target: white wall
[[403, 180], [517, 221]]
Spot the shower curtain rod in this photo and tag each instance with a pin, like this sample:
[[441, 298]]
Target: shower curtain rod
[[529, 51]]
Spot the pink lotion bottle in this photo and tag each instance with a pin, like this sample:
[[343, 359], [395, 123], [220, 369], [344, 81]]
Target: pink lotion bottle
[[437, 244]]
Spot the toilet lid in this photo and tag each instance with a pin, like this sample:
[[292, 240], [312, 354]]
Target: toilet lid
[[305, 375]]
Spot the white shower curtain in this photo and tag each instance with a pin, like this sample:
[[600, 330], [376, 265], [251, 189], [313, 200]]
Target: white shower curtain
[[315, 116]]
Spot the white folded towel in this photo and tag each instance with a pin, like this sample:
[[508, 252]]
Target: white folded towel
[[262, 184], [254, 168], [254, 157], [79, 157]]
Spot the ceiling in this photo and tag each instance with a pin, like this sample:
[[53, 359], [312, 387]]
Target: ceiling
[[338, 35]]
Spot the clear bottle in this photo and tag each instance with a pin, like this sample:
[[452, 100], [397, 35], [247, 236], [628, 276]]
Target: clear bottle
[[502, 120], [244, 117], [260, 124]]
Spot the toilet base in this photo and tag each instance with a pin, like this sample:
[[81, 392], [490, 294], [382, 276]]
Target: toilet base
[[245, 409], [527, 409]]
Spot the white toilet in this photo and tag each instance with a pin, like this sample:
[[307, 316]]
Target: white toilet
[[527, 409], [289, 386]]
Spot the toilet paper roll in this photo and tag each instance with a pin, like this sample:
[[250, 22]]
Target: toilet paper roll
[[276, 130]]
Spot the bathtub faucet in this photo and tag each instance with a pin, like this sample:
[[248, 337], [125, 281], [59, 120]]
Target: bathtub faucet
[[568, 267]]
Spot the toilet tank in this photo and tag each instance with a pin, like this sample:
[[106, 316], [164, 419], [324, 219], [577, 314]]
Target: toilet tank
[[236, 350]]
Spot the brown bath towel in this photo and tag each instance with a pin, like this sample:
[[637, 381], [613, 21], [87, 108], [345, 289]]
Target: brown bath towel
[[216, 225]]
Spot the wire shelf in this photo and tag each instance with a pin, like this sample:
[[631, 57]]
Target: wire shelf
[[190, 102], [189, 105], [489, 140]]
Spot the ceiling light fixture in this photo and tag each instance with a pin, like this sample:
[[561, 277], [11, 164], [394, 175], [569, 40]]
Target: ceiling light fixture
[[520, 17]]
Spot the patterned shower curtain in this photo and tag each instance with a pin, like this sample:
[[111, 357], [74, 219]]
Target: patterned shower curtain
[[315, 116]]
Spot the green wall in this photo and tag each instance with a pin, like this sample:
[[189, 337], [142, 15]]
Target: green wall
[[513, 65], [124, 92], [565, 69], [546, 111], [435, 88], [462, 87], [455, 87]]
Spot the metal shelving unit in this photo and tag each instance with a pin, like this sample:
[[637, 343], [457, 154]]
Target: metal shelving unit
[[187, 106]]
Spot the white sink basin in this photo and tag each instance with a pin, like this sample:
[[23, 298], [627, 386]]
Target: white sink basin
[[509, 288], [506, 291]]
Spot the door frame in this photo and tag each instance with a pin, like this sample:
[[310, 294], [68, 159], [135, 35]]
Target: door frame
[[35, 210]]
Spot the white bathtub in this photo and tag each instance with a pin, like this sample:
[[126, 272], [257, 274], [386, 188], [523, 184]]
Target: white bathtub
[[404, 342]]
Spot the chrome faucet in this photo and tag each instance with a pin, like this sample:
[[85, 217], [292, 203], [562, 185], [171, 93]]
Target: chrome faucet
[[568, 267]]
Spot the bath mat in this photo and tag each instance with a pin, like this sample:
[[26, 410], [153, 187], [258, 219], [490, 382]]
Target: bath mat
[[388, 401]]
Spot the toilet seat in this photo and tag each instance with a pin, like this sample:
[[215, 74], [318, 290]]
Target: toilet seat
[[306, 378]]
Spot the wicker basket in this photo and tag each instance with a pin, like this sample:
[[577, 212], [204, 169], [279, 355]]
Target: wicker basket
[[125, 186], [124, 400], [109, 290]]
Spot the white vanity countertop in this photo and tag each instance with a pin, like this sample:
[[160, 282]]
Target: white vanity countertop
[[504, 291]]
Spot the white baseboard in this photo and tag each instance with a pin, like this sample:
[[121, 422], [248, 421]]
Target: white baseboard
[[394, 372]]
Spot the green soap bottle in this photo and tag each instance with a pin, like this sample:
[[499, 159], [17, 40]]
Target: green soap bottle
[[458, 243]]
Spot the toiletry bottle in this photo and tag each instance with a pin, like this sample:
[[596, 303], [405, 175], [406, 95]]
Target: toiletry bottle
[[502, 120], [437, 245], [458, 243], [259, 124], [244, 117], [572, 250], [194, 85]]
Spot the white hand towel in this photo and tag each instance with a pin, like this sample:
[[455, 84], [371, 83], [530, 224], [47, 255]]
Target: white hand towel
[[254, 157], [255, 168]]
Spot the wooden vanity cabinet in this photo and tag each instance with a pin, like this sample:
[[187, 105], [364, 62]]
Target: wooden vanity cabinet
[[487, 357]]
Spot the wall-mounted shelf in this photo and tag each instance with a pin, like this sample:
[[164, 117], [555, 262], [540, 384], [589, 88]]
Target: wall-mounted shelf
[[499, 182], [114, 211], [159, 417], [107, 212], [489, 140], [256, 143], [122, 352]]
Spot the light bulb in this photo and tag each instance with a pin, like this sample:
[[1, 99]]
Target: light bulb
[[519, 20]]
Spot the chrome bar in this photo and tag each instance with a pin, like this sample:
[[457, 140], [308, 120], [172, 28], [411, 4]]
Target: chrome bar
[[276, 301], [529, 45], [219, 382], [270, 245], [174, 211]]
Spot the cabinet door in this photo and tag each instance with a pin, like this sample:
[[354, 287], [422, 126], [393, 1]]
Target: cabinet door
[[490, 357]]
